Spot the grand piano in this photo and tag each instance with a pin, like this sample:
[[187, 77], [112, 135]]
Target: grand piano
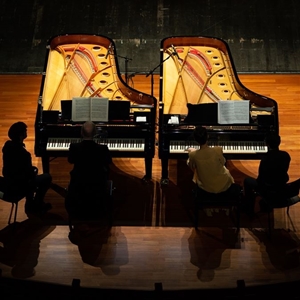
[[197, 75], [86, 66]]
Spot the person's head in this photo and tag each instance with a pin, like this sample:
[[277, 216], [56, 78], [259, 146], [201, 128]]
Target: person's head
[[18, 132], [273, 140], [88, 130], [200, 135]]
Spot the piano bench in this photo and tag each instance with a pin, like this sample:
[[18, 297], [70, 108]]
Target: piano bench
[[210, 201], [101, 220]]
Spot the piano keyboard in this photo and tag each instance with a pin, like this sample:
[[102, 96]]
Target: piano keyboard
[[229, 147], [113, 144]]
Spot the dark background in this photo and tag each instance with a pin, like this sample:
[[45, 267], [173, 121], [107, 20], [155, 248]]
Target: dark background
[[263, 35]]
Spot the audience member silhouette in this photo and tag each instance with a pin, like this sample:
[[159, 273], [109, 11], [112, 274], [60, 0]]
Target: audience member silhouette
[[20, 176], [272, 176]]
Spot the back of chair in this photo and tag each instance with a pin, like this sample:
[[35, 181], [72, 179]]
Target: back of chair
[[276, 197], [271, 199], [293, 188]]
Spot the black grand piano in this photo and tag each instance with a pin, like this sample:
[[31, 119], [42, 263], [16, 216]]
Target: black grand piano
[[86, 67], [197, 75]]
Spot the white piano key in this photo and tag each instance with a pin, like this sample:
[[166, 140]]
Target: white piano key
[[115, 144], [229, 147]]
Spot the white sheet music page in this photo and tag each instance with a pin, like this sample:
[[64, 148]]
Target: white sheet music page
[[89, 109], [99, 109], [233, 112], [80, 109]]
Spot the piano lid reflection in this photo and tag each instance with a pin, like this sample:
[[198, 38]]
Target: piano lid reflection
[[201, 75], [86, 66]]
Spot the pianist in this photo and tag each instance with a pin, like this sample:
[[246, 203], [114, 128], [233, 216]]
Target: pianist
[[208, 165], [87, 189]]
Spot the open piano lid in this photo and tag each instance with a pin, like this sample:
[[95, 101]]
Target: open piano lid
[[84, 66], [202, 71]]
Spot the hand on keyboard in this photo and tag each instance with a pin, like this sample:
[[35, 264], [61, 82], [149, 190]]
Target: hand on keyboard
[[190, 149]]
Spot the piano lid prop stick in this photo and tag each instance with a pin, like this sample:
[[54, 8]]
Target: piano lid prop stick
[[108, 51], [175, 51]]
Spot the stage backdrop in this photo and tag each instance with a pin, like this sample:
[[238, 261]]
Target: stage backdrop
[[263, 35]]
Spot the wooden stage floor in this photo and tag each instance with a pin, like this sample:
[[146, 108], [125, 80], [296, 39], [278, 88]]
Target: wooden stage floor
[[152, 240]]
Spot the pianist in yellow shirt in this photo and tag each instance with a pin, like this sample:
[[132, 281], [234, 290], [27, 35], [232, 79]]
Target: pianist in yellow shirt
[[208, 165]]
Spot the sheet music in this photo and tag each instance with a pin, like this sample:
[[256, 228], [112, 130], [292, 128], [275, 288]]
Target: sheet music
[[80, 109], [233, 112], [89, 109], [99, 109]]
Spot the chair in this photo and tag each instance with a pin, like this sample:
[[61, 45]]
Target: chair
[[12, 197], [77, 218], [222, 200], [270, 201]]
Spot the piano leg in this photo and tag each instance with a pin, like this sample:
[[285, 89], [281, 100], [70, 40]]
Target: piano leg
[[164, 171], [45, 164], [148, 168]]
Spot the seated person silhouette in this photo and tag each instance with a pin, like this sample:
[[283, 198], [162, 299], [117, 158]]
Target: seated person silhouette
[[208, 164], [20, 176], [87, 191], [272, 179]]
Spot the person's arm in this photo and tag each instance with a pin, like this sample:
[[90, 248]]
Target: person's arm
[[190, 160], [262, 170], [71, 154], [222, 159], [190, 150], [285, 164], [108, 156], [288, 160]]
